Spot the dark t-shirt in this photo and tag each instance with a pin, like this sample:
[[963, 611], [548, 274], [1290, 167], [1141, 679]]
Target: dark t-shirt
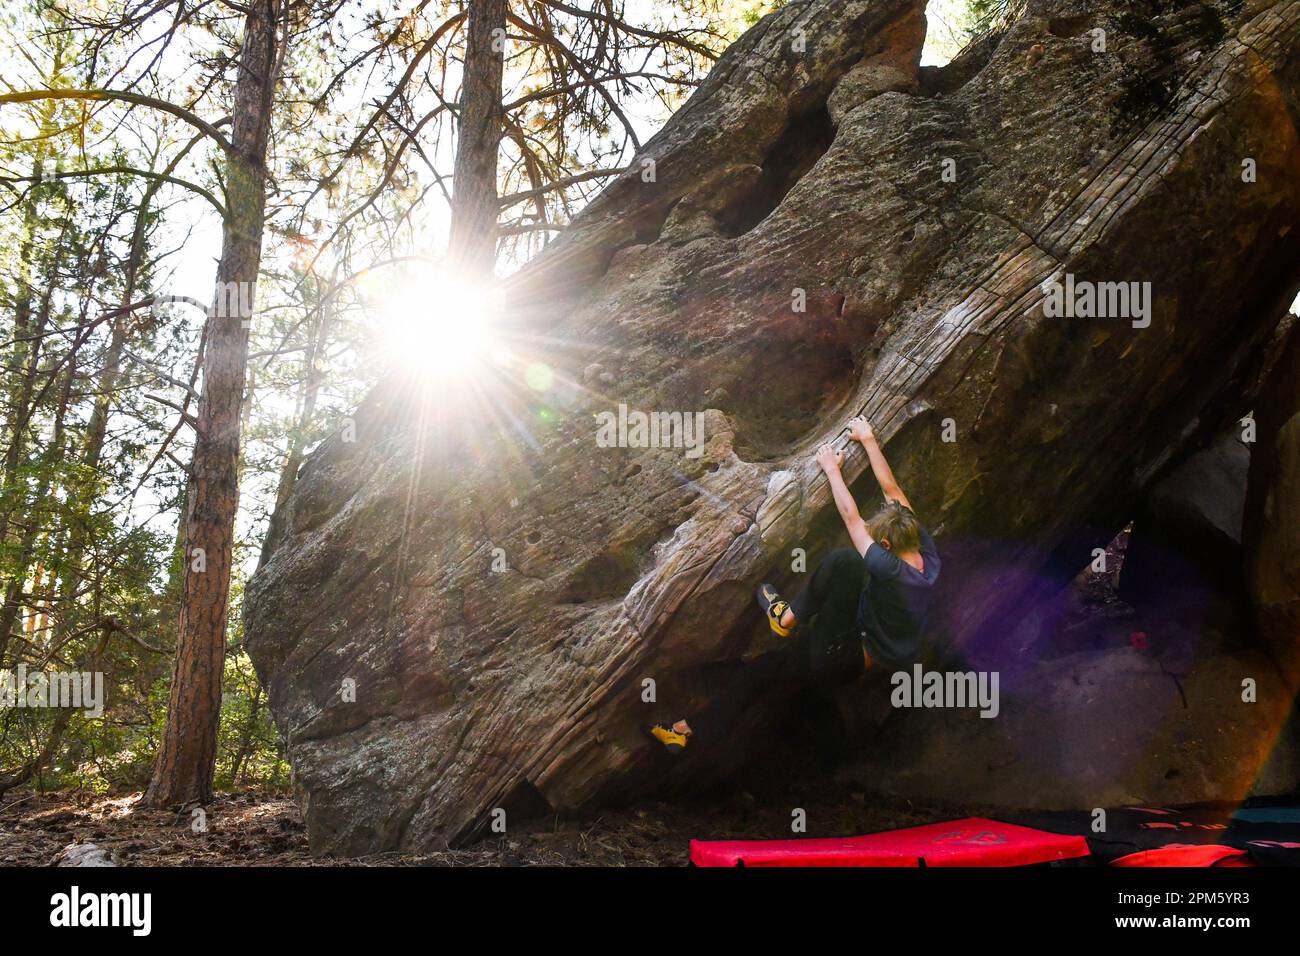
[[894, 603]]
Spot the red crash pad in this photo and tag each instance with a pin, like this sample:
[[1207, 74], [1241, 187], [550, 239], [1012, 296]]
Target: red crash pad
[[971, 842], [1185, 854]]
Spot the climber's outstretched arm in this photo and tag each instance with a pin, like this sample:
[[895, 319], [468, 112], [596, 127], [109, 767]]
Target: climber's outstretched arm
[[860, 429], [830, 461]]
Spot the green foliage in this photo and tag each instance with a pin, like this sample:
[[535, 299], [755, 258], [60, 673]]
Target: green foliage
[[746, 13], [990, 16], [249, 749]]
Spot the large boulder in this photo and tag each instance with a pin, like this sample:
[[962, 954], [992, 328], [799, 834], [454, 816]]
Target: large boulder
[[1272, 533], [503, 601]]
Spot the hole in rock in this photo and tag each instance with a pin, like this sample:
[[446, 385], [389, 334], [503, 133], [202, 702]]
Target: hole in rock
[[787, 385], [802, 143], [523, 802], [645, 230], [1069, 26], [648, 229], [609, 574]]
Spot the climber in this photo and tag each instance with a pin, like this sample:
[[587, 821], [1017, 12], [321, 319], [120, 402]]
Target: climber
[[863, 605]]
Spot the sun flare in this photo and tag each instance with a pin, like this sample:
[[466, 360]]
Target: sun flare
[[440, 325]]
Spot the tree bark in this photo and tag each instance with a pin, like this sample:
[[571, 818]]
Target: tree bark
[[472, 244], [186, 759]]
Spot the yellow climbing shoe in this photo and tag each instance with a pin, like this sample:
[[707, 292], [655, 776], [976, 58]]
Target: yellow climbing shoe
[[673, 741], [774, 608]]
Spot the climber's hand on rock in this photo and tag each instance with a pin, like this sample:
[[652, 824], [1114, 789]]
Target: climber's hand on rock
[[860, 429], [829, 458]]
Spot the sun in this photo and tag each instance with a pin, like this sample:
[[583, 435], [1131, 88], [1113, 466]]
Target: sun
[[440, 325]]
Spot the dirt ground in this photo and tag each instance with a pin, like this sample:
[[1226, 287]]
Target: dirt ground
[[253, 829]]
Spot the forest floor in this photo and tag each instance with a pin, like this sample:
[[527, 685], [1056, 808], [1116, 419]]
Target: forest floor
[[252, 829]]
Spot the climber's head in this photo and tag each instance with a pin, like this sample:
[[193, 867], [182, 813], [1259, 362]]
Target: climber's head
[[895, 528]]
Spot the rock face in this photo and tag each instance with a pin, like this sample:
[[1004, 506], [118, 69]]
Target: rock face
[[476, 600], [1272, 534], [1113, 727]]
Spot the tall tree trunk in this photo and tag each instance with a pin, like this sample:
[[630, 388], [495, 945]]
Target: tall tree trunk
[[184, 767], [472, 245]]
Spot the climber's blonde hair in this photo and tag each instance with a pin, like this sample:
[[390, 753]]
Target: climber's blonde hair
[[896, 528]]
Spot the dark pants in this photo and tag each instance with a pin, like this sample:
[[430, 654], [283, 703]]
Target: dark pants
[[825, 650]]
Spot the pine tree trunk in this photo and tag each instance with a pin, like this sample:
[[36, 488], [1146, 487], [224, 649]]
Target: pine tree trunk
[[184, 767], [472, 246]]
